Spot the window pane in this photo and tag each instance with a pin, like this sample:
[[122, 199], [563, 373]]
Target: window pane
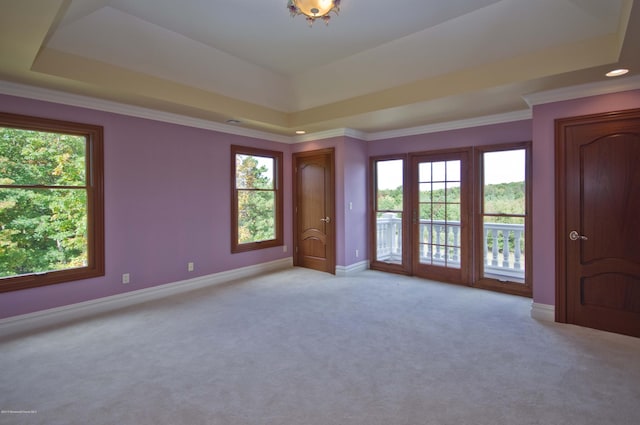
[[30, 157], [453, 171], [439, 171], [254, 172], [438, 192], [425, 192], [504, 248], [504, 189], [453, 192], [389, 185], [453, 212], [256, 216], [424, 170], [42, 230], [389, 237]]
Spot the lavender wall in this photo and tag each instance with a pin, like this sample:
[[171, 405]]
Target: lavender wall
[[166, 203], [519, 131], [543, 179], [351, 159], [356, 201], [167, 195]]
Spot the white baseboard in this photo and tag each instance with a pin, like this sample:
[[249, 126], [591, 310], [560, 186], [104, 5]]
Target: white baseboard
[[351, 269], [46, 318], [544, 312]]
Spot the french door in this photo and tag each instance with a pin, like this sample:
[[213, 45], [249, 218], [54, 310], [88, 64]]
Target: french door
[[440, 216], [459, 216]]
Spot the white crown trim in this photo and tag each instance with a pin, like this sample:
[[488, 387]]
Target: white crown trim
[[614, 85], [453, 125], [567, 93], [48, 95]]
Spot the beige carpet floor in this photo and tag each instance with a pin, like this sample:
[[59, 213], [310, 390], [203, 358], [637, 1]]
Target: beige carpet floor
[[307, 348]]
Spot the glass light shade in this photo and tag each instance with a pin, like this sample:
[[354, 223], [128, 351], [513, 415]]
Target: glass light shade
[[315, 8]]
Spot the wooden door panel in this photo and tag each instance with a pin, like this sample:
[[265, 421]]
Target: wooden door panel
[[611, 198], [615, 291], [600, 181], [314, 211]]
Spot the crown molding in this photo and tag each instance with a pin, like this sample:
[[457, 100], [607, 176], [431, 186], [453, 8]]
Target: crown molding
[[453, 125], [614, 85], [562, 94], [48, 95], [338, 132]]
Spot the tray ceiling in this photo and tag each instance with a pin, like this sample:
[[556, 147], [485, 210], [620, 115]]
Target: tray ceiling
[[372, 69]]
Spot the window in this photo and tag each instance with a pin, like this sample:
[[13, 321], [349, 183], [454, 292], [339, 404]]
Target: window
[[503, 239], [51, 202], [389, 240], [256, 204]]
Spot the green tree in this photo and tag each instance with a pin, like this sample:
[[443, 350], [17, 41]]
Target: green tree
[[390, 199], [256, 199], [41, 228]]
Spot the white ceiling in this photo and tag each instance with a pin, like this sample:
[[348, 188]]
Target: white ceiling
[[376, 67]]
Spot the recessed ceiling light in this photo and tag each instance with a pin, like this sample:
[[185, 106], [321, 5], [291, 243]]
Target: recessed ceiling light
[[617, 72], [301, 132]]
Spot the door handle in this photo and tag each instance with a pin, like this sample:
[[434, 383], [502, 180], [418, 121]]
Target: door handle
[[326, 220], [574, 236]]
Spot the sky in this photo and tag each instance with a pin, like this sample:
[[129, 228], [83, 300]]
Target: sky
[[500, 167]]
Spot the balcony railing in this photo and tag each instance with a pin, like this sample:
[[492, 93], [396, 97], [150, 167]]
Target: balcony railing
[[503, 245]]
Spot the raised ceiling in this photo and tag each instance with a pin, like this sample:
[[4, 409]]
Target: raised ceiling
[[376, 67]]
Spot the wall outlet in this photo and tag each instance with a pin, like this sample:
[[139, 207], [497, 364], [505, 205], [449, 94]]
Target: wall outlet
[[357, 253], [190, 267], [284, 248], [125, 278]]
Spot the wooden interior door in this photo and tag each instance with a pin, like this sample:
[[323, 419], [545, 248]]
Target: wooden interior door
[[598, 234], [441, 245], [314, 212]]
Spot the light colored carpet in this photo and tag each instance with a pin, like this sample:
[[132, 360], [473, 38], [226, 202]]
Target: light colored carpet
[[302, 347]]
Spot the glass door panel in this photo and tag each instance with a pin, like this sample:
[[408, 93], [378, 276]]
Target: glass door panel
[[388, 246], [439, 218], [503, 229], [439, 224]]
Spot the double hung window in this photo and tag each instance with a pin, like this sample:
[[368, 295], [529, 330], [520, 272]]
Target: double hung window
[[256, 204], [51, 202]]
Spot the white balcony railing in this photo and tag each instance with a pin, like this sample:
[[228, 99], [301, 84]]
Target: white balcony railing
[[503, 245]]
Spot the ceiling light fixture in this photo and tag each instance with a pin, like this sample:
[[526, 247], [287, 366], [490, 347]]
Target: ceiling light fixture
[[617, 72], [314, 9]]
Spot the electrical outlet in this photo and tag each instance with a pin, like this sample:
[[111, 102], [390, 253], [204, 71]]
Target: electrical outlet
[[125, 278], [190, 267], [284, 248], [357, 253]]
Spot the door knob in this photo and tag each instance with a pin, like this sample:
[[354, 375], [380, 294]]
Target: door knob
[[574, 236], [326, 220]]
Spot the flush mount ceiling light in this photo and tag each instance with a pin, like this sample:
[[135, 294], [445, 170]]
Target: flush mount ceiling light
[[617, 72], [314, 9]]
